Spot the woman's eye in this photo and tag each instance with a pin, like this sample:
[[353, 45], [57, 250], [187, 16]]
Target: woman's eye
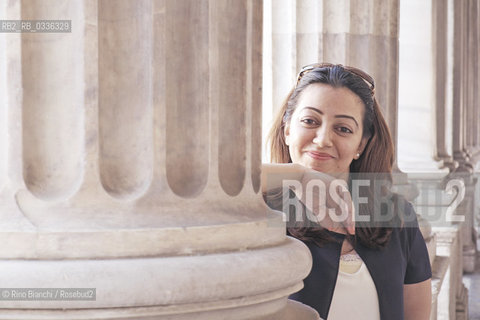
[[309, 122], [345, 130]]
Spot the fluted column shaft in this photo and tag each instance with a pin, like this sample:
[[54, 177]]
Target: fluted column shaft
[[440, 25], [138, 113], [463, 83], [473, 113]]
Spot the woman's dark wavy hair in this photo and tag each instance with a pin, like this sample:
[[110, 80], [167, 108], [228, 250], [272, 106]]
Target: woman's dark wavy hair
[[375, 161]]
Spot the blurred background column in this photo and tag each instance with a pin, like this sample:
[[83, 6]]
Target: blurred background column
[[363, 34], [434, 99], [464, 110], [130, 164]]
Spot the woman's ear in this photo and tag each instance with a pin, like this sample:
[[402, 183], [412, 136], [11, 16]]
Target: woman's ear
[[286, 133], [362, 145]]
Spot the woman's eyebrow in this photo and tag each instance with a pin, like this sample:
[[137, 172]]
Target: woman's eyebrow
[[336, 116], [346, 116], [315, 109]]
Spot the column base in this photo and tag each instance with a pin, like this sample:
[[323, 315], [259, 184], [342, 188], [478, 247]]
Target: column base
[[469, 258], [246, 284], [281, 309], [462, 305]]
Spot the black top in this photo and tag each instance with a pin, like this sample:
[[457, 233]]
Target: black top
[[404, 260]]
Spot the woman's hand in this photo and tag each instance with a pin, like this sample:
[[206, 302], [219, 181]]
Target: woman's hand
[[329, 200], [326, 197]]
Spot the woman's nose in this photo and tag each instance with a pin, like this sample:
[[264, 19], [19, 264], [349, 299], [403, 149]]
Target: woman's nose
[[323, 139]]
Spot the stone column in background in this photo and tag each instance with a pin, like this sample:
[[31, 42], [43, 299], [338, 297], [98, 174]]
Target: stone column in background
[[460, 86], [464, 56], [449, 239], [363, 34], [130, 163], [440, 75], [472, 70]]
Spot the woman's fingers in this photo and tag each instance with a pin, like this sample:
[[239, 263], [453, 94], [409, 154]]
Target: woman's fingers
[[329, 200], [341, 207], [350, 222]]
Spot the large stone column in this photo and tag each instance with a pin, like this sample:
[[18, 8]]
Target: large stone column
[[130, 163]]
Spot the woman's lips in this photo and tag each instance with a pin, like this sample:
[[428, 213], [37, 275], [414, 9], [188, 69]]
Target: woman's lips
[[319, 155]]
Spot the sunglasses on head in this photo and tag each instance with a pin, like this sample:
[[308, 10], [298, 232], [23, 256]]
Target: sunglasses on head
[[365, 77]]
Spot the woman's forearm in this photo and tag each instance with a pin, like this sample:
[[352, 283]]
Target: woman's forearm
[[273, 174]]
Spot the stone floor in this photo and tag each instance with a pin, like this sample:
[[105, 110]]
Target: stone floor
[[472, 282]]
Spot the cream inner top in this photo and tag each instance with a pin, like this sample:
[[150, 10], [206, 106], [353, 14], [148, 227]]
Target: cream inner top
[[355, 295]]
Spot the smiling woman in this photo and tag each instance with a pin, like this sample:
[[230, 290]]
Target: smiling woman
[[324, 133], [330, 126]]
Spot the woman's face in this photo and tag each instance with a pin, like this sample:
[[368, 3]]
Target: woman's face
[[325, 131]]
